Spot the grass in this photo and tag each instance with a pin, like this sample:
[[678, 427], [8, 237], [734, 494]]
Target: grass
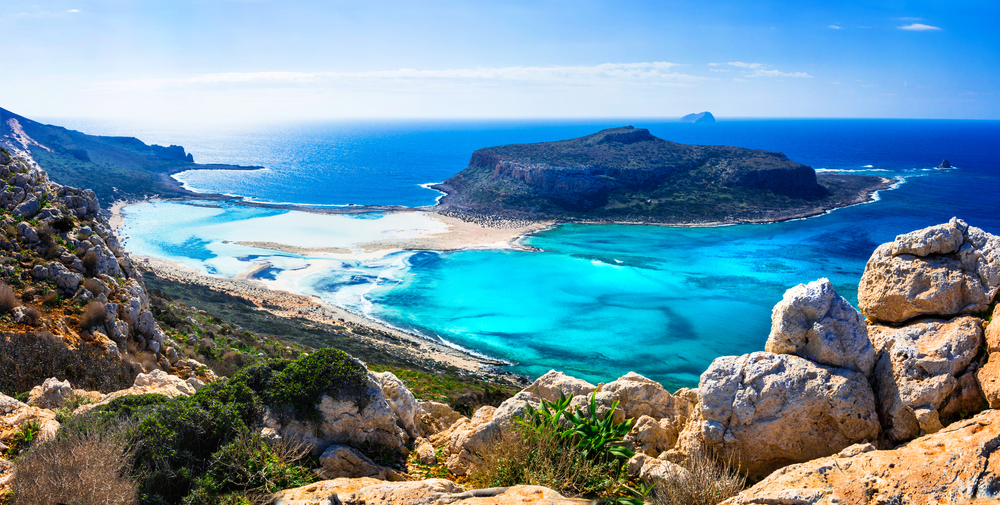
[[708, 482]]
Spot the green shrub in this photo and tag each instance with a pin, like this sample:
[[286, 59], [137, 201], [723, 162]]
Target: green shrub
[[23, 437], [575, 453]]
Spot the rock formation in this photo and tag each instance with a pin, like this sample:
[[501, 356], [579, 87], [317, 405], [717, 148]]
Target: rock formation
[[769, 410], [959, 464], [811, 321], [941, 270], [699, 117], [944, 164]]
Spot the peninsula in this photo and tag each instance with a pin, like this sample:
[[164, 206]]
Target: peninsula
[[128, 168], [628, 175]]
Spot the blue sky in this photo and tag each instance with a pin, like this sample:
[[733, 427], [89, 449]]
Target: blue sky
[[277, 60]]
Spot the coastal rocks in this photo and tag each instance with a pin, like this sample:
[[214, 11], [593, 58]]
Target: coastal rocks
[[811, 321], [51, 394], [345, 422], [161, 379], [342, 461], [27, 209], [652, 471], [921, 369], [368, 491], [553, 384], [769, 410], [402, 402], [959, 464], [437, 417], [425, 451], [13, 414], [942, 270]]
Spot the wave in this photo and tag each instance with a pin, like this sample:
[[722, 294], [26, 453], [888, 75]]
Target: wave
[[841, 170], [427, 185]]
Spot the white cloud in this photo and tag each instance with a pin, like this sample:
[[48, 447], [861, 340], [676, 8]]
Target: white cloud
[[657, 72], [713, 64], [834, 27], [718, 70], [43, 14], [910, 19], [747, 65], [73, 10], [919, 27], [760, 70]]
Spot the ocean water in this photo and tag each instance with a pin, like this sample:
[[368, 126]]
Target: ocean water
[[601, 300]]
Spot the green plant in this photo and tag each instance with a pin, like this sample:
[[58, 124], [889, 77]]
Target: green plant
[[599, 436], [24, 437]]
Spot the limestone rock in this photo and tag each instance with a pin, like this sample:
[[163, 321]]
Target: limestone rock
[[27, 209], [14, 413], [159, 378], [342, 461], [474, 436], [368, 491], [402, 402], [436, 417], [959, 464], [993, 331], [769, 410], [52, 394], [345, 422], [652, 471], [918, 370], [425, 451], [989, 380], [549, 386], [811, 321], [651, 437], [639, 396], [942, 270]]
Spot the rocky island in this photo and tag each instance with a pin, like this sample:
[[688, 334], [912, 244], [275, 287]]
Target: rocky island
[[628, 175]]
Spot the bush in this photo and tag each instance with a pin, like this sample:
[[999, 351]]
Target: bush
[[709, 483], [90, 466], [575, 453], [249, 467], [94, 314], [90, 262], [8, 299]]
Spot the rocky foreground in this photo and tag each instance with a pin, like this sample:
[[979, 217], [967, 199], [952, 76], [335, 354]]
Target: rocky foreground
[[889, 404]]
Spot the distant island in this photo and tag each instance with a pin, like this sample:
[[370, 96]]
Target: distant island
[[628, 175], [116, 168], [701, 117]]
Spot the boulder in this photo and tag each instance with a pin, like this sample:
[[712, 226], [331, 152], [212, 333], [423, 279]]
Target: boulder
[[639, 396], [959, 464], [342, 461], [652, 471], [919, 372], [769, 410], [651, 437], [368, 491], [549, 386], [811, 321], [470, 439], [64, 279], [402, 402], [988, 378], [943, 270], [345, 422], [436, 417], [27, 209], [159, 379], [13, 414], [52, 394], [992, 332]]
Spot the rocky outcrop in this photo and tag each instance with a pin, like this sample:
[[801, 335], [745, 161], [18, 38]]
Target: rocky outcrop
[[959, 464], [942, 270], [699, 117], [367, 491], [769, 410], [923, 377], [368, 419], [811, 321], [342, 461], [13, 415]]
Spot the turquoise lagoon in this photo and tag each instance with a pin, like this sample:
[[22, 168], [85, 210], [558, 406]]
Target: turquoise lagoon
[[600, 300]]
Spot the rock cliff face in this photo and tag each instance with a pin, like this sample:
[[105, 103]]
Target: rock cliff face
[[627, 171], [80, 310]]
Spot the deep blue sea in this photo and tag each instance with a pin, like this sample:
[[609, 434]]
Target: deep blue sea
[[601, 300]]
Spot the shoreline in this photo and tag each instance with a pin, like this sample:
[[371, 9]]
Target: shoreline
[[283, 298]]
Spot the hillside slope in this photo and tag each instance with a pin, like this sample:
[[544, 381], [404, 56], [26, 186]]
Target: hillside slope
[[113, 167]]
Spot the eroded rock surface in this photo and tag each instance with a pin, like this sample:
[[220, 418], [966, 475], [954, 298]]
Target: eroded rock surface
[[368, 491], [813, 322], [942, 270], [769, 410], [921, 369], [958, 465]]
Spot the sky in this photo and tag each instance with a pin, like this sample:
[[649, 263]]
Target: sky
[[263, 60]]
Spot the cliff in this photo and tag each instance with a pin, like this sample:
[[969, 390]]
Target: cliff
[[627, 174], [113, 167]]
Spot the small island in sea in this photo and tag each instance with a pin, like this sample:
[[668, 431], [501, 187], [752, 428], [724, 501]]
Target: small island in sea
[[627, 175]]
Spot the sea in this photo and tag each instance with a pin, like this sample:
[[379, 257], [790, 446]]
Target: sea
[[599, 300]]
